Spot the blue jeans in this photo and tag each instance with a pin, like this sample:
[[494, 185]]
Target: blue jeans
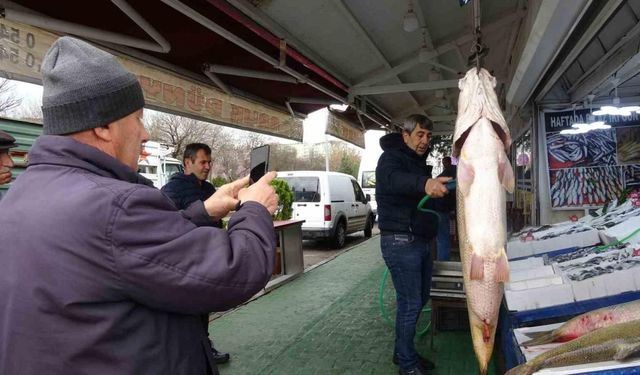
[[444, 240], [409, 261]]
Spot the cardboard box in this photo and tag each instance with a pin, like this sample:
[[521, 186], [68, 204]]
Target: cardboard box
[[526, 263], [535, 283], [519, 249], [588, 289], [537, 298], [622, 230], [530, 273]]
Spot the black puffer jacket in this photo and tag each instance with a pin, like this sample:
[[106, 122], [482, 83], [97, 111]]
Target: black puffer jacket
[[400, 178], [184, 189]]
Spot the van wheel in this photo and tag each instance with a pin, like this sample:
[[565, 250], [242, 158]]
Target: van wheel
[[339, 236], [368, 227]]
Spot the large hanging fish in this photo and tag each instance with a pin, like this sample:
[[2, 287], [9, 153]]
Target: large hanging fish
[[484, 172]]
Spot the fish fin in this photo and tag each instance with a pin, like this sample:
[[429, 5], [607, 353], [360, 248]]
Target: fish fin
[[502, 268], [542, 337], [505, 172], [477, 267], [623, 351], [465, 176]]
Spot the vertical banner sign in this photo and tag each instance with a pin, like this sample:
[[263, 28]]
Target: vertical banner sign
[[22, 48], [345, 130], [589, 169]]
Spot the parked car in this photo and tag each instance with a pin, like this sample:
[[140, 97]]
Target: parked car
[[332, 205]]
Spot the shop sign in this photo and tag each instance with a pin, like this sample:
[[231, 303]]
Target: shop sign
[[557, 121], [345, 130], [590, 169], [22, 48]]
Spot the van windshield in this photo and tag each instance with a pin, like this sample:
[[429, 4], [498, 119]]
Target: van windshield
[[170, 169], [368, 179], [305, 189]]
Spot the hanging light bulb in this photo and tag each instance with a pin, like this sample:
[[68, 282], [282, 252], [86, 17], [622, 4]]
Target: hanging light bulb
[[615, 110], [581, 128], [410, 21]]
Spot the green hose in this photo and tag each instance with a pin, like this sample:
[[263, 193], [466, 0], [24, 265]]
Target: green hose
[[603, 247], [383, 312]]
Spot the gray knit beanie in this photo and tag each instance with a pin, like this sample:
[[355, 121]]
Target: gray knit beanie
[[84, 88]]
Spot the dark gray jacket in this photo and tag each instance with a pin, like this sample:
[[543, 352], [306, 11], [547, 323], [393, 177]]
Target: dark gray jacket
[[100, 274]]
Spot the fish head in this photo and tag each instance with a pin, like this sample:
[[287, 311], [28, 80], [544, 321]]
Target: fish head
[[478, 99]]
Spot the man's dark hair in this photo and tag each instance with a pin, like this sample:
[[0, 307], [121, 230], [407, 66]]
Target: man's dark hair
[[192, 149], [419, 120]]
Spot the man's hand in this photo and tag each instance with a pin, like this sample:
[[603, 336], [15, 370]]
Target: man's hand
[[225, 198], [5, 175], [262, 193], [435, 187]]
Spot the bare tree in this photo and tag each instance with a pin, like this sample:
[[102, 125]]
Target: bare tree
[[31, 111], [8, 100], [179, 131], [282, 158]]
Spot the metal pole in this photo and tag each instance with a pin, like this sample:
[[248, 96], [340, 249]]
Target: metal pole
[[29, 17], [192, 14]]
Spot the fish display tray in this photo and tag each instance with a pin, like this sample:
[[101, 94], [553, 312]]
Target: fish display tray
[[529, 353], [510, 321], [562, 312]]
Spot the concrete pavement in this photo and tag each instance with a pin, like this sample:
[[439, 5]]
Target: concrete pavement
[[328, 322]]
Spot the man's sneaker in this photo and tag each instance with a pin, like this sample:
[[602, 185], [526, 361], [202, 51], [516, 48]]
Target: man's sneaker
[[425, 363], [414, 371]]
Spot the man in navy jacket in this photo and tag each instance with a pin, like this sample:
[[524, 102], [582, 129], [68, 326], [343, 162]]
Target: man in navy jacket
[[101, 274], [402, 180], [188, 187]]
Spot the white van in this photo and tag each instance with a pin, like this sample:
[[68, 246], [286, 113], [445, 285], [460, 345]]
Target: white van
[[155, 165], [367, 175], [332, 205]]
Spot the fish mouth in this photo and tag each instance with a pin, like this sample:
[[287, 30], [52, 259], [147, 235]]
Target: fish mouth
[[504, 138]]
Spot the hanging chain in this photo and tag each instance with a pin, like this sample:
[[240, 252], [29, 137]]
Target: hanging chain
[[477, 48]]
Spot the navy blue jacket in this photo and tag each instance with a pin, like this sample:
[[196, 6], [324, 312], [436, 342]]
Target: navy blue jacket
[[401, 175], [184, 189]]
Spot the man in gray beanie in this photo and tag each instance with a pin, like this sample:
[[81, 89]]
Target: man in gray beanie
[[109, 277]]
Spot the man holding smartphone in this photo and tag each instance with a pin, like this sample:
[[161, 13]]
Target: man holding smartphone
[[188, 187], [109, 277]]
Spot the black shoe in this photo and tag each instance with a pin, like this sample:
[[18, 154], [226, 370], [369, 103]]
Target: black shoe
[[422, 361], [220, 357], [414, 371]]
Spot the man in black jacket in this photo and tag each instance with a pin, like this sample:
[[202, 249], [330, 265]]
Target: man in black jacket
[[402, 180], [188, 187]]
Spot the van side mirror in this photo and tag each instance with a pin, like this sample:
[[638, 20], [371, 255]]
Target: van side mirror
[[367, 198]]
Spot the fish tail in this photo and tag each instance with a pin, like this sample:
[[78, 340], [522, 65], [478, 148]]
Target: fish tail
[[623, 351], [524, 369], [502, 267], [542, 337], [477, 267]]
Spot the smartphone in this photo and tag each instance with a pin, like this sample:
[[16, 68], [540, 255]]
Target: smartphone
[[259, 162]]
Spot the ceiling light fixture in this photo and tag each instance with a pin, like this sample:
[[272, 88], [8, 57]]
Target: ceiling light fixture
[[581, 128], [410, 21], [615, 110]]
